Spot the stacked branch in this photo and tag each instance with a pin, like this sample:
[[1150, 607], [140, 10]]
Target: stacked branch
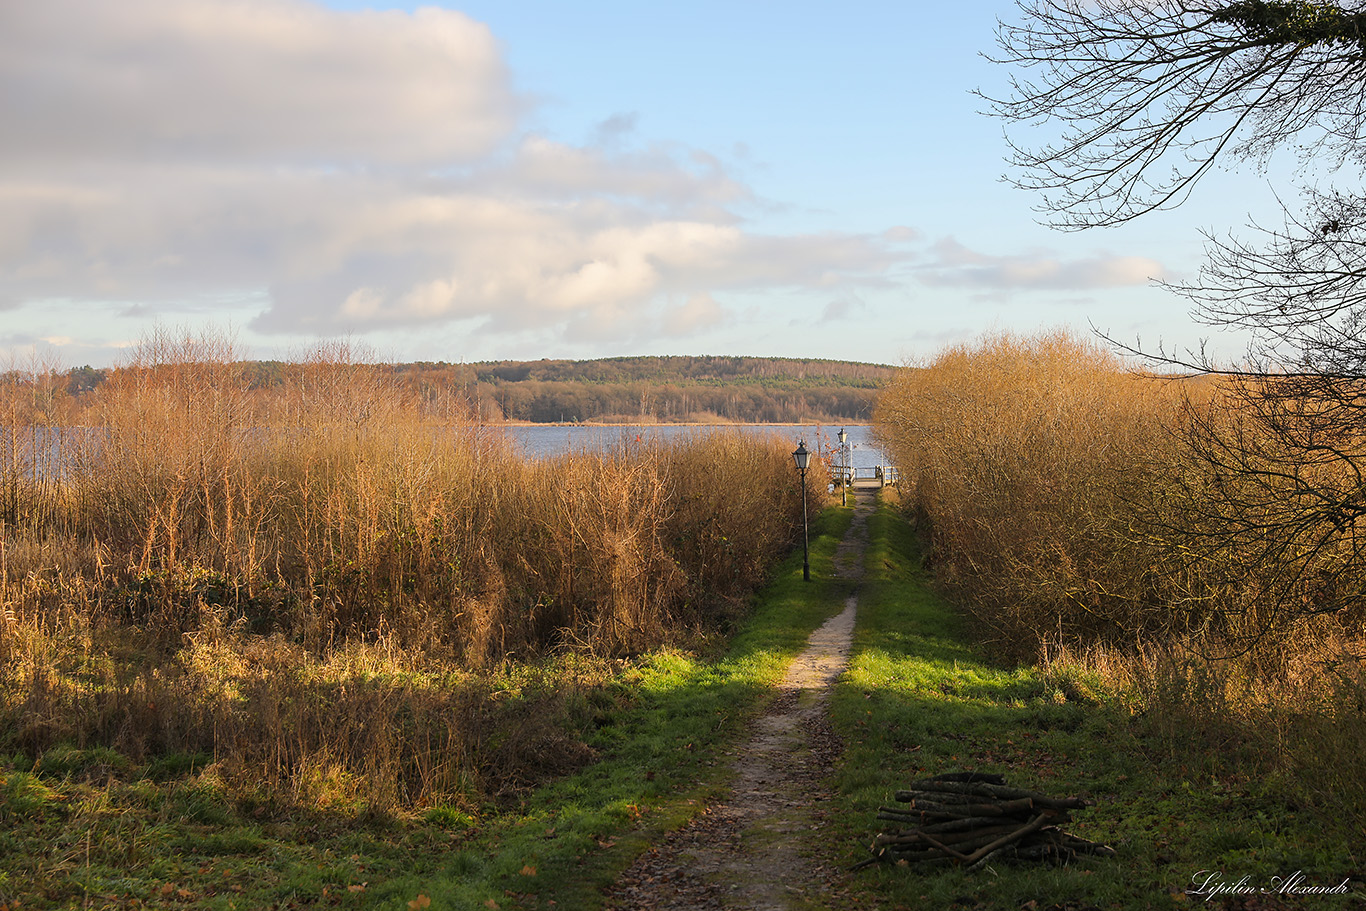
[[968, 818]]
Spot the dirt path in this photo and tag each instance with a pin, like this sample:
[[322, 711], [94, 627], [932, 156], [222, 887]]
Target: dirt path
[[746, 852]]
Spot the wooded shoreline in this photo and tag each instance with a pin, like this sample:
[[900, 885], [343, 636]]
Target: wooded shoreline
[[630, 390]]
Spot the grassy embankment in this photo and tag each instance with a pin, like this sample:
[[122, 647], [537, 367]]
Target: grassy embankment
[[239, 622], [1173, 800], [91, 828], [1193, 540], [95, 829], [1159, 546]]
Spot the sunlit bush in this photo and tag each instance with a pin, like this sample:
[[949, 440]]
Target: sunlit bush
[[1030, 459], [215, 549]]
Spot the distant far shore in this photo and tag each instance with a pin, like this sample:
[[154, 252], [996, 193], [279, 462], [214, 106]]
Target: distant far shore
[[657, 423], [689, 391]]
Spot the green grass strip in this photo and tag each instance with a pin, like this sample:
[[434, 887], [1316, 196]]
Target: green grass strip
[[85, 829], [918, 700], [662, 760]]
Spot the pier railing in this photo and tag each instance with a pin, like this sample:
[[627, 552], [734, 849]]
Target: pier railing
[[869, 476]]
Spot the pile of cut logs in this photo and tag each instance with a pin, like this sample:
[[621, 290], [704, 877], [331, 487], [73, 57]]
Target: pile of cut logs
[[969, 818]]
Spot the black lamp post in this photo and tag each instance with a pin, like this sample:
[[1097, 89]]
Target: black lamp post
[[844, 469], [803, 459]]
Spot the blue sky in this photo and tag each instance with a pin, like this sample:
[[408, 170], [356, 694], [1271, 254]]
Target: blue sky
[[492, 180]]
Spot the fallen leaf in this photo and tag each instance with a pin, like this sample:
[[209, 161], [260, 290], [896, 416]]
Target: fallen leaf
[[490, 904], [528, 870], [360, 887], [421, 901]]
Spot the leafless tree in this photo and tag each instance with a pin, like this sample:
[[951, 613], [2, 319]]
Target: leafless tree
[[1275, 503], [1145, 96]]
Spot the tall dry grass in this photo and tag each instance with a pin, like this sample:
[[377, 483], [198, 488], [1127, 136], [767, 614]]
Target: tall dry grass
[[1027, 456], [319, 585], [1067, 504]]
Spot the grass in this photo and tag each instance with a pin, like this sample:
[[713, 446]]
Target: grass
[[662, 760], [89, 828], [348, 594], [919, 700]]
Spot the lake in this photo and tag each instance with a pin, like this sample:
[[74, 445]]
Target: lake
[[541, 441], [49, 452]]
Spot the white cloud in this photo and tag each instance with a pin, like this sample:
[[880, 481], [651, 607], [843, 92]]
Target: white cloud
[[842, 309], [901, 234], [270, 81], [952, 264], [355, 172], [701, 311]]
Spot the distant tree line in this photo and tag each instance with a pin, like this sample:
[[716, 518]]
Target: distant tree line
[[611, 390]]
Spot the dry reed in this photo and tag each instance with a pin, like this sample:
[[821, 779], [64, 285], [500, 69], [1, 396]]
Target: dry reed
[[1025, 455], [1066, 507], [308, 584]]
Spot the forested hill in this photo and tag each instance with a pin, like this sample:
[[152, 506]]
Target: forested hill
[[698, 389], [611, 390]]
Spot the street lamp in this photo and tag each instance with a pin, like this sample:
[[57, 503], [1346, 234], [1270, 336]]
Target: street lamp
[[844, 469], [803, 458]]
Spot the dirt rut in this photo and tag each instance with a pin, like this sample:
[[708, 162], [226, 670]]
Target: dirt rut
[[753, 849]]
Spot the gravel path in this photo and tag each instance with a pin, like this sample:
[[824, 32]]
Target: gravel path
[[747, 850]]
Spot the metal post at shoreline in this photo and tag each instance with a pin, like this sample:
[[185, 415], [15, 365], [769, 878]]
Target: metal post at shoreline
[[803, 459], [846, 470]]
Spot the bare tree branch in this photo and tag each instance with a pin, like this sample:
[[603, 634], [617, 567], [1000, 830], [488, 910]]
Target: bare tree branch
[[1150, 94]]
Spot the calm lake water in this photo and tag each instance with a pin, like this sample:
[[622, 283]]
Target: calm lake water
[[47, 452], [540, 441]]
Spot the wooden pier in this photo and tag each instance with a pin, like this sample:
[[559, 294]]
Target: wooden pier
[[873, 478]]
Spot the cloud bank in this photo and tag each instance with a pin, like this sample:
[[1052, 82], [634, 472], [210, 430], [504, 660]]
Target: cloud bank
[[343, 172], [363, 170], [953, 265]]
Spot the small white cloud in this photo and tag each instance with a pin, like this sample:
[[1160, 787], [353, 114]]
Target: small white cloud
[[615, 128], [841, 309], [954, 265], [700, 312], [901, 234]]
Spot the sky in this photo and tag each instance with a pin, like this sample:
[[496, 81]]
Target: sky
[[519, 179]]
